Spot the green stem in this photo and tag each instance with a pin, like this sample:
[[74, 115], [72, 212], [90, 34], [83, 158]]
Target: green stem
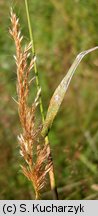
[[51, 172], [35, 66]]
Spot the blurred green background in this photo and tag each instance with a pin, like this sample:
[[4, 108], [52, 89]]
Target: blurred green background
[[61, 30]]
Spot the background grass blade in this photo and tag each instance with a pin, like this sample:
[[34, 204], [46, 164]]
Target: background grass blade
[[59, 93]]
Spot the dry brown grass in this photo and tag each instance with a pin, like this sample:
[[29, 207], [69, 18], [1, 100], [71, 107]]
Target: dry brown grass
[[33, 152]]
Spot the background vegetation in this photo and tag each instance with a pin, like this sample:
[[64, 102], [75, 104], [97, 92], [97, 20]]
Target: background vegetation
[[61, 30]]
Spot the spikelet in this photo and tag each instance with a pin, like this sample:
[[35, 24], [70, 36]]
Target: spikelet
[[34, 154]]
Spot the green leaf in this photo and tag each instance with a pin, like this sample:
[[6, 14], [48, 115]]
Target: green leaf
[[59, 93]]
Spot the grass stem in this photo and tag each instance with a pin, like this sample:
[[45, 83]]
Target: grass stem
[[51, 172]]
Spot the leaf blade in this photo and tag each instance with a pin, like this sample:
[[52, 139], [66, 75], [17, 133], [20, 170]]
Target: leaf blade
[[60, 91]]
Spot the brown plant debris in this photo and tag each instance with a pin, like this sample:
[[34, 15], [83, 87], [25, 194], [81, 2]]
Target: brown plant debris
[[34, 154]]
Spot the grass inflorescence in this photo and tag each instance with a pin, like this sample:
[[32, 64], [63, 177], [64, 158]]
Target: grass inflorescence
[[33, 152]]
